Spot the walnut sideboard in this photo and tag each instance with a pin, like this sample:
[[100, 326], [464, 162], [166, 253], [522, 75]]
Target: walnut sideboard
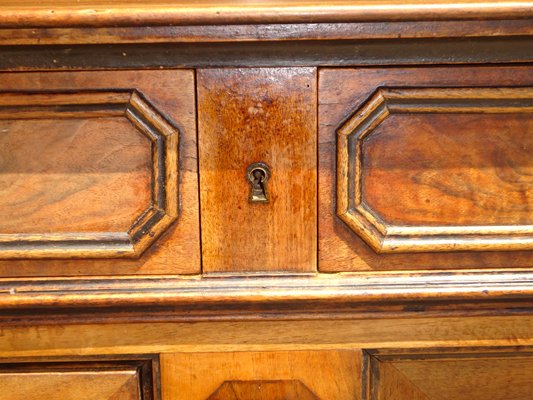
[[266, 200]]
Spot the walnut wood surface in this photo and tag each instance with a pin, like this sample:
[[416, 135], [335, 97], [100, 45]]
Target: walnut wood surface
[[83, 378], [237, 336], [105, 13], [111, 208], [93, 176], [462, 182], [248, 116], [305, 375], [467, 374], [92, 299], [265, 32], [340, 249]]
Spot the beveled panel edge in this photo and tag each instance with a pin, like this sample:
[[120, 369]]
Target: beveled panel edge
[[92, 104], [385, 238], [277, 297], [146, 367], [373, 358]]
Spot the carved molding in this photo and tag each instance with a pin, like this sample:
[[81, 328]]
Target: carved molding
[[387, 238], [153, 221]]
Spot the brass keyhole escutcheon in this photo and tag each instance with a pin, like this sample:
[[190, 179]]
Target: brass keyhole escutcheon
[[258, 175]]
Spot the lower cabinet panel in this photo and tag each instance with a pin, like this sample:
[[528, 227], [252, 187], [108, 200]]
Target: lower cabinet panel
[[74, 380], [284, 375], [465, 374]]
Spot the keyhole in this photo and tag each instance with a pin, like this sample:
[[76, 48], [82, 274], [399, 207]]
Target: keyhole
[[258, 174]]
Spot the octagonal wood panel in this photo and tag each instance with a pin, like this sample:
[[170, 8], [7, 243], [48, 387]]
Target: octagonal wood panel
[[439, 169], [90, 178], [83, 171]]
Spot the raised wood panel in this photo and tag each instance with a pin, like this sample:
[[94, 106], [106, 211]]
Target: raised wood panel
[[248, 116], [74, 380], [468, 374], [441, 158], [439, 169], [90, 170], [84, 186], [284, 375]]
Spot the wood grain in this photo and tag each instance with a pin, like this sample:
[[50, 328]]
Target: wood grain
[[127, 13], [263, 390], [248, 116], [467, 374], [339, 248], [237, 336], [264, 32], [78, 379], [314, 374], [178, 249], [89, 195], [322, 297], [462, 182]]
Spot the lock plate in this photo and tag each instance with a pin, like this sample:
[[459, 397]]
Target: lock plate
[[258, 175]]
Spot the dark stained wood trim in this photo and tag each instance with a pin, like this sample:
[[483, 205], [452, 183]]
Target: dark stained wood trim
[[135, 299], [273, 53], [266, 32]]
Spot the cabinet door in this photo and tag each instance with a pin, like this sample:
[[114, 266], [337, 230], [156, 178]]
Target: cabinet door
[[426, 168], [98, 167]]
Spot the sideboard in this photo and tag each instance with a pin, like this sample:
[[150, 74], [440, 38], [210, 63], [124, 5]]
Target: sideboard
[[266, 200]]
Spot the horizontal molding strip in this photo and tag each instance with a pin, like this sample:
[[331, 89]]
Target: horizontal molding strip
[[122, 13], [108, 299]]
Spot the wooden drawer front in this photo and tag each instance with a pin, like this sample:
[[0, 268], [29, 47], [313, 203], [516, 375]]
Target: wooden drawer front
[[107, 380], [429, 160], [89, 166], [248, 116], [449, 374], [283, 375]]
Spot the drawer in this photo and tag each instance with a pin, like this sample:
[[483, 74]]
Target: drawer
[[459, 374], [73, 380], [98, 173], [425, 168]]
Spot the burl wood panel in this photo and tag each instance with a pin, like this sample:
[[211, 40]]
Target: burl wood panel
[[456, 161], [107, 380], [469, 374], [87, 169], [258, 115], [290, 375]]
